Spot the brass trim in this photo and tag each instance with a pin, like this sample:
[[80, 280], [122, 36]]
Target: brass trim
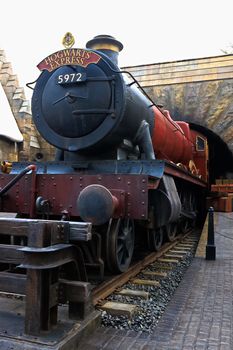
[[68, 40], [105, 47]]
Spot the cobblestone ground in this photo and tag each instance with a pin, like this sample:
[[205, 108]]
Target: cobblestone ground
[[199, 317]]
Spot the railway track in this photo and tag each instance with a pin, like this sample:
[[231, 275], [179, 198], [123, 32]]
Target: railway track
[[137, 298]]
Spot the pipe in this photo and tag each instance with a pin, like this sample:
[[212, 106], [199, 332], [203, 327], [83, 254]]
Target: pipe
[[143, 139], [31, 167]]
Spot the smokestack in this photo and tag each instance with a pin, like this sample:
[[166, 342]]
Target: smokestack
[[106, 44]]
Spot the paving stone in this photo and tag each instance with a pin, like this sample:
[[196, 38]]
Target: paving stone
[[113, 343]]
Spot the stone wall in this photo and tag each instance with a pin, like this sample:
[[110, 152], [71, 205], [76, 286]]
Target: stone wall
[[21, 110], [9, 150], [197, 90]]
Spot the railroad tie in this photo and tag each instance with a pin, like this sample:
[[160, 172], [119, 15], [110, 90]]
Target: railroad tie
[[184, 247], [145, 282], [134, 293], [175, 256], [115, 308], [164, 260], [155, 273], [177, 251]]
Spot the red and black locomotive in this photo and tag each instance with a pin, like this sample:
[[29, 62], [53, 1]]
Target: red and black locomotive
[[122, 164]]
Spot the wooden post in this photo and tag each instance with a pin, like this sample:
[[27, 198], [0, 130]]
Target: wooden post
[[41, 301], [210, 247]]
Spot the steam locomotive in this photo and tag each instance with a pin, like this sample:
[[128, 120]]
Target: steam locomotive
[[122, 164]]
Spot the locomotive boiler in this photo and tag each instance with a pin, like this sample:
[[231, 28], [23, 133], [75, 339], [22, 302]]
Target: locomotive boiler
[[122, 164]]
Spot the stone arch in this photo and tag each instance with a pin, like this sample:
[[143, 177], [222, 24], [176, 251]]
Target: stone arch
[[197, 90], [220, 156]]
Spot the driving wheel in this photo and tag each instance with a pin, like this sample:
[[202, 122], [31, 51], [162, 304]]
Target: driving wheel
[[119, 244]]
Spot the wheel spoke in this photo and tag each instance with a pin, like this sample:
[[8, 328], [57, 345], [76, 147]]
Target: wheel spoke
[[120, 238], [121, 256], [155, 239], [171, 231], [119, 249]]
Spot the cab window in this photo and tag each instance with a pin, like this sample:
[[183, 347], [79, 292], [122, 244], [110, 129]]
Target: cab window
[[200, 144]]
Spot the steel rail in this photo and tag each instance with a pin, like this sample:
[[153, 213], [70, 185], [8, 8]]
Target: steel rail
[[106, 288]]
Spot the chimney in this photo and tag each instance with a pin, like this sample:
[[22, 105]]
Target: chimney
[[106, 44]]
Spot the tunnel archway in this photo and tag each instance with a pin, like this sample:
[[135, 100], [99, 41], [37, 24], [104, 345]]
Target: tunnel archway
[[198, 91], [220, 156]]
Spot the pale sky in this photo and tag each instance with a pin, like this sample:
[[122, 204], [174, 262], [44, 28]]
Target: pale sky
[[151, 31]]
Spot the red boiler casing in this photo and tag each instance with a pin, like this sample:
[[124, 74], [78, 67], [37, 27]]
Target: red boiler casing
[[171, 140]]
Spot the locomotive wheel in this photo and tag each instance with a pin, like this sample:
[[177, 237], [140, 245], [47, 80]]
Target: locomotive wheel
[[171, 231], [119, 244], [155, 239]]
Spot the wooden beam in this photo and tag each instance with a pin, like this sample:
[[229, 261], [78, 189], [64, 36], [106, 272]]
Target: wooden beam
[[12, 283], [9, 254]]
